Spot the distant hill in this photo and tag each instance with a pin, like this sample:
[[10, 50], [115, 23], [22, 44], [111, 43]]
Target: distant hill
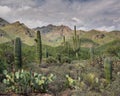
[[3, 22]]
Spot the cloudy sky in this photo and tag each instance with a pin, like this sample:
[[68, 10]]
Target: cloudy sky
[[86, 14]]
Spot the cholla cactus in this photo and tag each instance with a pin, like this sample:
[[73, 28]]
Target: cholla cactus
[[18, 53], [108, 69]]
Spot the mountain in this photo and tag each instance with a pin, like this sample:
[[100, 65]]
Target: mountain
[[52, 28], [3, 22], [53, 35], [18, 29]]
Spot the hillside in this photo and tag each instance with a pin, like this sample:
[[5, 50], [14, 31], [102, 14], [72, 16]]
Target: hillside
[[3, 22], [101, 37], [18, 29], [4, 37]]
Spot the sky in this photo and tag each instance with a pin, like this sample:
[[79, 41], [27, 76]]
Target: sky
[[85, 14]]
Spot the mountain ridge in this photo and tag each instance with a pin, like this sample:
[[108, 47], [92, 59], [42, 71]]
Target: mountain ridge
[[52, 34]]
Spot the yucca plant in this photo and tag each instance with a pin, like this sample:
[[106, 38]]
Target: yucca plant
[[39, 48], [18, 53], [108, 69]]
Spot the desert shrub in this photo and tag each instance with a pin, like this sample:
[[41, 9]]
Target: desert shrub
[[113, 50], [91, 80], [3, 66], [2, 88], [28, 54], [51, 60], [84, 53], [66, 60]]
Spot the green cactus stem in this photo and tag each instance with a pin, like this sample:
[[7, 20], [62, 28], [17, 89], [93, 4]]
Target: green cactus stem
[[39, 48], [108, 69], [18, 53]]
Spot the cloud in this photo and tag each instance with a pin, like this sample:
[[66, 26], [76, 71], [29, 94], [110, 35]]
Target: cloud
[[86, 14], [106, 28], [4, 10], [75, 19]]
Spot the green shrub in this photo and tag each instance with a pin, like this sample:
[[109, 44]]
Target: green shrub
[[3, 66], [113, 50], [51, 60], [66, 60]]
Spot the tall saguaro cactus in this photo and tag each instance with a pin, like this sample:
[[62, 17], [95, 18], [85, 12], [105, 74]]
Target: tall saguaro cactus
[[18, 53], [108, 69], [91, 54], [64, 40], [46, 53], [39, 48], [76, 43]]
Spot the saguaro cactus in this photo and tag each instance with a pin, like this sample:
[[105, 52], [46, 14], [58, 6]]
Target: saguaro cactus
[[18, 53], [46, 53], [76, 43], [91, 54], [108, 69], [64, 40], [39, 48]]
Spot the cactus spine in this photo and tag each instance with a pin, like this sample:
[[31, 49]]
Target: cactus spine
[[108, 69], [39, 48], [18, 53]]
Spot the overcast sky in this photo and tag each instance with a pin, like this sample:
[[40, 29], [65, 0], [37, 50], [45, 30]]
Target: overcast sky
[[86, 14]]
